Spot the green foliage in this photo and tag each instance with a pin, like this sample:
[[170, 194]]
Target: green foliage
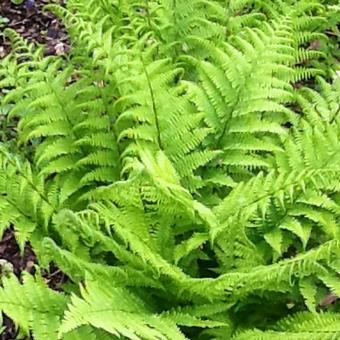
[[181, 166], [32, 306], [17, 2]]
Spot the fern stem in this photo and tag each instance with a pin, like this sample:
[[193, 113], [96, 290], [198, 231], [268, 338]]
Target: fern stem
[[174, 17], [225, 126], [32, 185], [62, 108], [174, 6], [153, 103], [335, 116], [227, 16], [16, 207], [147, 9]]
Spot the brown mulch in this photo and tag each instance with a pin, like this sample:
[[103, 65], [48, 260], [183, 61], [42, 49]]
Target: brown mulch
[[35, 25], [10, 252], [19, 262]]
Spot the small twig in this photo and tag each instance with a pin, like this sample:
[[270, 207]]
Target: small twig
[[54, 274]]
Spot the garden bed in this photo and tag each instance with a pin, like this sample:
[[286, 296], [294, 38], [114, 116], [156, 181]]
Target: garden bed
[[33, 23]]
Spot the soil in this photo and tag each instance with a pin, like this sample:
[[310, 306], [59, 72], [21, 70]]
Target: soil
[[18, 262], [10, 252], [34, 24]]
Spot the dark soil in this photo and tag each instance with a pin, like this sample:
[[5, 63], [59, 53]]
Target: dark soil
[[10, 332], [32, 23], [10, 252], [19, 262]]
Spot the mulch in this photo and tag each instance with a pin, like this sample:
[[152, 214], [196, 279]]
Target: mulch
[[35, 25], [17, 261], [10, 252], [11, 256]]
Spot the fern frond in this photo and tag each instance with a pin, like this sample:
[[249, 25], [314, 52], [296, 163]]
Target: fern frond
[[117, 311], [300, 326], [33, 306]]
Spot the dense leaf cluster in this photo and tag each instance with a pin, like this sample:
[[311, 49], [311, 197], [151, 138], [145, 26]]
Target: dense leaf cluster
[[181, 166]]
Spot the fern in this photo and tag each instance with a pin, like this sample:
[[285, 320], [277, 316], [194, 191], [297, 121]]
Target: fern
[[120, 313], [300, 327], [33, 306], [181, 166]]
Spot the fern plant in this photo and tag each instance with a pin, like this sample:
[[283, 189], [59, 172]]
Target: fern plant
[[181, 166]]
